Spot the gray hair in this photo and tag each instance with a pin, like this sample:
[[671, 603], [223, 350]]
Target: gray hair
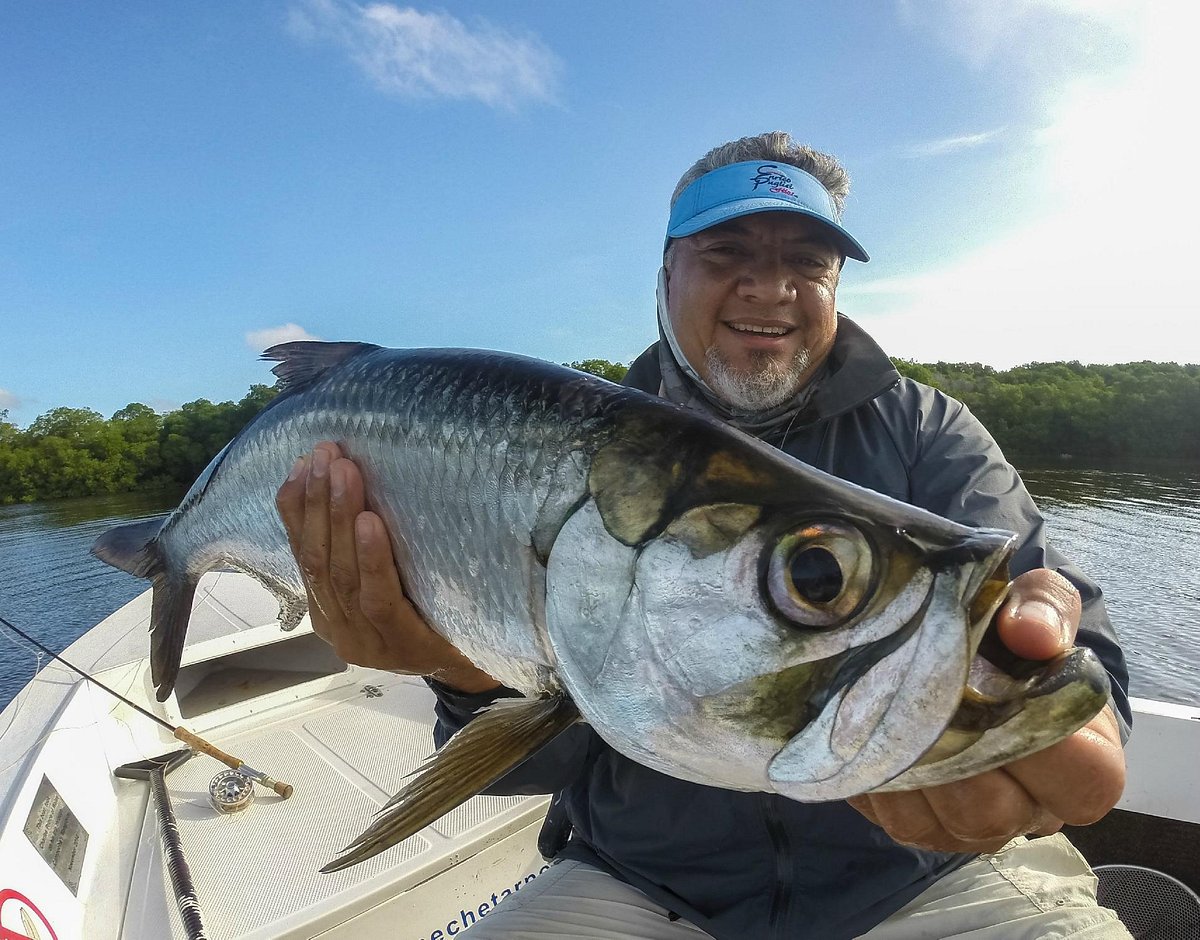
[[775, 146]]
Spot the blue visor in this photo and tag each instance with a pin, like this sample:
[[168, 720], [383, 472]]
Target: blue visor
[[738, 189]]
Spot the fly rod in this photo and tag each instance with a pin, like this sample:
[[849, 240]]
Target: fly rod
[[191, 740]]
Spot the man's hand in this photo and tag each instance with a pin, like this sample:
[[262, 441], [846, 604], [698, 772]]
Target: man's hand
[[355, 598], [1075, 781]]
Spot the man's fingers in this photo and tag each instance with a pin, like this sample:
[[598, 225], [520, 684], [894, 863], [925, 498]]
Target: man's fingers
[[906, 816], [1093, 759], [345, 503], [315, 538], [381, 598], [289, 502], [1041, 615], [988, 809], [980, 814]]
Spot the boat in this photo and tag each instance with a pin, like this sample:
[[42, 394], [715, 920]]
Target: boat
[[80, 848], [109, 829]]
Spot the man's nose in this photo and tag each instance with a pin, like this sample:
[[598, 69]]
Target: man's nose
[[767, 280]]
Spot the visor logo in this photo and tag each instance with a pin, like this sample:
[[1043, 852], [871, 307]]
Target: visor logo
[[769, 175]]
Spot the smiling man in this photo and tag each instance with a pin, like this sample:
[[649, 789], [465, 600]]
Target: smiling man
[[749, 331]]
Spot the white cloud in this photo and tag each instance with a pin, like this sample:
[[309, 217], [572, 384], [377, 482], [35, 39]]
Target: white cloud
[[163, 405], [433, 55], [1104, 274], [258, 340], [8, 401], [937, 148], [1021, 35]]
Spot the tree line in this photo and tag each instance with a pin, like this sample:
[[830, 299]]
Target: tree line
[[77, 452], [1134, 411]]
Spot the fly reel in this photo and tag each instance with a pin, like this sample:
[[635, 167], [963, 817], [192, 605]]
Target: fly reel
[[230, 791]]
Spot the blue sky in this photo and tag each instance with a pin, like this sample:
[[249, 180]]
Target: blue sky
[[183, 184]]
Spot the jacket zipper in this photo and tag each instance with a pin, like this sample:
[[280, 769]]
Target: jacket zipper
[[784, 868]]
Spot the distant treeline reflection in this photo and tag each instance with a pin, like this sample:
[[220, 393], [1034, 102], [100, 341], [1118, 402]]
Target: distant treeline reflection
[[1131, 412]]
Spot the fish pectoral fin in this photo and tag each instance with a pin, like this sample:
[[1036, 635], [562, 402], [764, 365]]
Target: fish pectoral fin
[[485, 750]]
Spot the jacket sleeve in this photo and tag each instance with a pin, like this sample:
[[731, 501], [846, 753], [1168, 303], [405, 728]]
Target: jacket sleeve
[[958, 471], [550, 769]]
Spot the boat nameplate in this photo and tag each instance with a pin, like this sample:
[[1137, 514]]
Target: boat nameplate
[[57, 834]]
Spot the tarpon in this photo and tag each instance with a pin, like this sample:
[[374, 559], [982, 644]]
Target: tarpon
[[714, 608]]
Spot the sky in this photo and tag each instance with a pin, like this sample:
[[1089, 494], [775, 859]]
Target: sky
[[184, 184]]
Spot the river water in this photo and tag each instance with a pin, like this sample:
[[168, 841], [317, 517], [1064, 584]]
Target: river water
[[1137, 534]]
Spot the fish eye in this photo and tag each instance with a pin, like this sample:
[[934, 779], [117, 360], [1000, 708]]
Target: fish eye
[[821, 575], [816, 575]]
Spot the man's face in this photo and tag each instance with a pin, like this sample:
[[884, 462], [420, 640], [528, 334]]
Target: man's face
[[752, 303]]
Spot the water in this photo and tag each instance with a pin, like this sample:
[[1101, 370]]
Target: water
[[50, 586], [1138, 534]]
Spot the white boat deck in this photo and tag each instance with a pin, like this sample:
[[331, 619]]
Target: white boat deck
[[343, 737]]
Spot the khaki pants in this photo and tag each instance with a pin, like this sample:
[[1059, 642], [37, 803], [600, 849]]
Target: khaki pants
[[1029, 890]]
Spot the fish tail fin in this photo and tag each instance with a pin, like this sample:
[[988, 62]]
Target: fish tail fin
[[479, 755], [135, 548], [170, 610]]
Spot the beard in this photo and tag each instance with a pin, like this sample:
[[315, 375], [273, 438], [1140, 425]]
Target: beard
[[766, 384]]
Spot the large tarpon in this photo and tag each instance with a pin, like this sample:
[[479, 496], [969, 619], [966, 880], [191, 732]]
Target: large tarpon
[[712, 607]]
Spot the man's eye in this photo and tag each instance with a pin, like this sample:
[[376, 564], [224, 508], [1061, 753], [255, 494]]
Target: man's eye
[[811, 262]]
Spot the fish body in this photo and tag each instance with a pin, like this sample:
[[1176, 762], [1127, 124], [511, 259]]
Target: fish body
[[712, 607]]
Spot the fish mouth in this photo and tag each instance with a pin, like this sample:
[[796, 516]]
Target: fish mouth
[[1001, 686]]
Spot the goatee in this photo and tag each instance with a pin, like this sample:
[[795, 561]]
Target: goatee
[[767, 383]]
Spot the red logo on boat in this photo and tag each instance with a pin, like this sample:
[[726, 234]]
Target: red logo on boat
[[24, 910]]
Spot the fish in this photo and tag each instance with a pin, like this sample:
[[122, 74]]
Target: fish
[[712, 607]]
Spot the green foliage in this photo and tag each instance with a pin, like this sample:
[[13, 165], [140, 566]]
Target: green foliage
[[76, 452], [613, 371], [1133, 411]]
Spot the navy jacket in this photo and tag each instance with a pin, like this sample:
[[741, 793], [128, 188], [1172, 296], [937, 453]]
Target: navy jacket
[[760, 865]]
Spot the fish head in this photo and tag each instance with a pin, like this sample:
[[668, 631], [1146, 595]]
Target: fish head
[[775, 628]]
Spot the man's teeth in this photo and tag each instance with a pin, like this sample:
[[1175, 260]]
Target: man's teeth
[[751, 328]]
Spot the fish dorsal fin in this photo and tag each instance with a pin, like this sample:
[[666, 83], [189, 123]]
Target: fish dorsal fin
[[476, 757], [303, 361]]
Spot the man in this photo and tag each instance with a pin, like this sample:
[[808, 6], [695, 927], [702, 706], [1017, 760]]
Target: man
[[750, 332]]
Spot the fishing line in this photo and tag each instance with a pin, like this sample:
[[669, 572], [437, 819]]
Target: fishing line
[[19, 698], [17, 705], [192, 740]]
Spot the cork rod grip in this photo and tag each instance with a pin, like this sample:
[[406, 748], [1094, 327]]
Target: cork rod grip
[[199, 744], [283, 789]]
